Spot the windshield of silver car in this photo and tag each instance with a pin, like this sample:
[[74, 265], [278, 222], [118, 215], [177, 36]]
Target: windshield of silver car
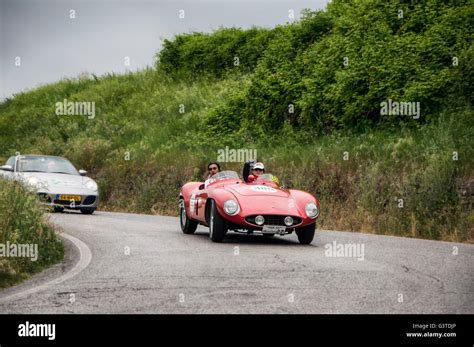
[[46, 164]]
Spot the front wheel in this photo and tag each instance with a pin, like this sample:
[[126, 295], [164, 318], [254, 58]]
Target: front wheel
[[306, 234], [188, 226], [217, 224]]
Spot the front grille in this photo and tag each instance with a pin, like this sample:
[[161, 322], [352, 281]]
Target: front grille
[[66, 202], [273, 219], [89, 200]]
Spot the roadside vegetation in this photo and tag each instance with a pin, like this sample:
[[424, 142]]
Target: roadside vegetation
[[23, 227], [307, 96]]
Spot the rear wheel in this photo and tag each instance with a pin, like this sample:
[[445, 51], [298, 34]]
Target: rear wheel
[[217, 224], [306, 234], [188, 226]]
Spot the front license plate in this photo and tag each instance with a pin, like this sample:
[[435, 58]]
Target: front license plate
[[70, 197], [273, 229]]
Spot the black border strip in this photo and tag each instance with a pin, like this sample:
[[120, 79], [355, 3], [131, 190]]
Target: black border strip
[[245, 329]]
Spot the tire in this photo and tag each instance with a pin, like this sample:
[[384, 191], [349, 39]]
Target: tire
[[58, 209], [84, 211], [188, 226], [217, 224], [306, 234]]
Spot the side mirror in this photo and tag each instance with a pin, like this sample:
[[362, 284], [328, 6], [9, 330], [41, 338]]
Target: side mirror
[[201, 187], [6, 168], [82, 172]]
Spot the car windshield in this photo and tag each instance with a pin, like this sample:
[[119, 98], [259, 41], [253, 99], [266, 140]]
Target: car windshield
[[266, 177], [46, 164], [224, 175]]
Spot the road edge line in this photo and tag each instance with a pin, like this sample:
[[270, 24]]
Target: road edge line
[[85, 257]]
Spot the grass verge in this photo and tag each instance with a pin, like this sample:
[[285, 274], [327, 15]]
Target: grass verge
[[23, 226]]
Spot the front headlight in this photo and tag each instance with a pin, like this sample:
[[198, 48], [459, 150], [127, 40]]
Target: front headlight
[[231, 207], [34, 182], [90, 184], [312, 210]]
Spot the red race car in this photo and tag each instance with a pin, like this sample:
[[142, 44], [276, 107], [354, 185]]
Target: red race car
[[226, 202]]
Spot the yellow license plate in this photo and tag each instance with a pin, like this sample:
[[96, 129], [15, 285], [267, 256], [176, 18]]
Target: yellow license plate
[[70, 197]]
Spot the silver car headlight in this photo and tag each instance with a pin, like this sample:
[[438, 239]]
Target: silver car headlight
[[90, 184], [32, 181], [312, 210], [231, 207], [35, 182]]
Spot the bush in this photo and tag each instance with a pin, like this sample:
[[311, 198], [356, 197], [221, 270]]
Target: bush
[[332, 70], [22, 221], [293, 98]]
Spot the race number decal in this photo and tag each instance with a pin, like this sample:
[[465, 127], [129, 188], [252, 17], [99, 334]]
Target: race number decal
[[192, 202], [263, 189]]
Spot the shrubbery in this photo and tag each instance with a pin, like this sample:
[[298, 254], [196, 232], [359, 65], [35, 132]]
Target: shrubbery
[[334, 68], [158, 128], [22, 221]]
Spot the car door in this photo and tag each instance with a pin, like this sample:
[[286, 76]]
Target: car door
[[201, 199]]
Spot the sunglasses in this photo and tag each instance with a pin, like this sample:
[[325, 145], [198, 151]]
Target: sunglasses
[[257, 169], [212, 168]]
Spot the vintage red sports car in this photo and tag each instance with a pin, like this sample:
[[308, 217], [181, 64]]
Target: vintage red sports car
[[226, 202]]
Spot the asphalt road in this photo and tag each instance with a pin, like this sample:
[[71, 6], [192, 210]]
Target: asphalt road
[[126, 263]]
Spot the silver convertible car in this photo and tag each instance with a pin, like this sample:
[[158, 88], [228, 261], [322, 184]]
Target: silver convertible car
[[56, 181]]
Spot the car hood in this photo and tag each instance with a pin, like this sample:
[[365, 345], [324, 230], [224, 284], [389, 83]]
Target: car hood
[[53, 180], [264, 199], [257, 190]]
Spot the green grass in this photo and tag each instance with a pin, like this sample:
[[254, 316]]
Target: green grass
[[363, 192], [141, 150], [22, 221], [157, 129]]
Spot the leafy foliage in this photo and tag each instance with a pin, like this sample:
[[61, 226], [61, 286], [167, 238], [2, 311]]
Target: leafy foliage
[[333, 69], [302, 94]]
